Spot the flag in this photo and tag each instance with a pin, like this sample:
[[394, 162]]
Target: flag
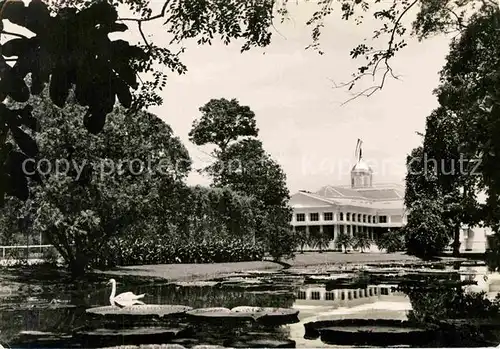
[[358, 152]]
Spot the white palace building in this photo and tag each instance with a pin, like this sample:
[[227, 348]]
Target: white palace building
[[361, 207]]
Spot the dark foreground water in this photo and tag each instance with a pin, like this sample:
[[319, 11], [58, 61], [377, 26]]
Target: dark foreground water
[[58, 317]]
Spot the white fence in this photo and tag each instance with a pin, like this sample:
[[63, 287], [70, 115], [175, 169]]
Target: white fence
[[35, 251]]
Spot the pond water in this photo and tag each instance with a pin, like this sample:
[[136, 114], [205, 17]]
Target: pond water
[[55, 319]]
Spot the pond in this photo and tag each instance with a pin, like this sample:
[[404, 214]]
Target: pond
[[382, 296]]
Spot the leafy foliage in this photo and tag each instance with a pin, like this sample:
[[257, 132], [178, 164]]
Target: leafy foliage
[[318, 239], [344, 241], [79, 212], [361, 242], [391, 241], [223, 121], [199, 213], [64, 45], [164, 250], [461, 134], [426, 235], [431, 305], [244, 167]]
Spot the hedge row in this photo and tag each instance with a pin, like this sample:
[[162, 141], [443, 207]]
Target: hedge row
[[158, 251]]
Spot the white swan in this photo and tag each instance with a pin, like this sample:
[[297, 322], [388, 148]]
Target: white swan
[[123, 299]]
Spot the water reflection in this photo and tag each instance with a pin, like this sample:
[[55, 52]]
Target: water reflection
[[314, 302]]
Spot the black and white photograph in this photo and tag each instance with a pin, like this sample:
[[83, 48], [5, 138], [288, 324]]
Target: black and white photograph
[[210, 174]]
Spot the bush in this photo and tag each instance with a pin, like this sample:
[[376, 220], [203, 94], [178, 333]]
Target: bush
[[158, 250], [319, 239], [281, 243], [344, 241], [392, 241], [361, 242], [50, 256]]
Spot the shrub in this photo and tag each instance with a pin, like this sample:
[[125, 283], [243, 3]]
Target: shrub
[[344, 241], [319, 240], [392, 241], [50, 256], [302, 239], [158, 250], [361, 242], [281, 243]]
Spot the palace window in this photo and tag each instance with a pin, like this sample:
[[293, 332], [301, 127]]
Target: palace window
[[301, 295], [314, 217], [359, 217], [369, 219], [364, 218], [330, 296], [348, 229], [348, 216], [328, 216], [354, 217], [301, 217], [384, 291], [315, 295], [341, 218], [374, 219], [382, 219]]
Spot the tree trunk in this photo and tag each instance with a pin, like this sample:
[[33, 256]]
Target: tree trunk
[[78, 266], [456, 240]]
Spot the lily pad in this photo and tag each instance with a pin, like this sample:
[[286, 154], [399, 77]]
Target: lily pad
[[141, 335], [262, 343], [312, 279], [266, 315], [148, 346], [158, 310], [197, 283], [368, 332]]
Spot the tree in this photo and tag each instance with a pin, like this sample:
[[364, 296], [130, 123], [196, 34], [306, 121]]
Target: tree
[[427, 231], [97, 187], [344, 241], [246, 168], [223, 121], [391, 241], [469, 89], [460, 134], [361, 242], [242, 165], [318, 239], [71, 46]]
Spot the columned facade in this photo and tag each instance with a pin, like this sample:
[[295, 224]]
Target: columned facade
[[363, 207]]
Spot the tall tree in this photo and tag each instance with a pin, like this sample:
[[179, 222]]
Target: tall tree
[[99, 186], [426, 232], [223, 121], [71, 46], [245, 167]]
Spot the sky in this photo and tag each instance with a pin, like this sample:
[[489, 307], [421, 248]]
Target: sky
[[301, 117]]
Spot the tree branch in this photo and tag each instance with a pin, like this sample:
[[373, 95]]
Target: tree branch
[[384, 57], [160, 15]]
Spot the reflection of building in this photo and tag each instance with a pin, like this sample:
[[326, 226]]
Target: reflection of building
[[361, 208], [316, 295], [475, 239], [486, 281]]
